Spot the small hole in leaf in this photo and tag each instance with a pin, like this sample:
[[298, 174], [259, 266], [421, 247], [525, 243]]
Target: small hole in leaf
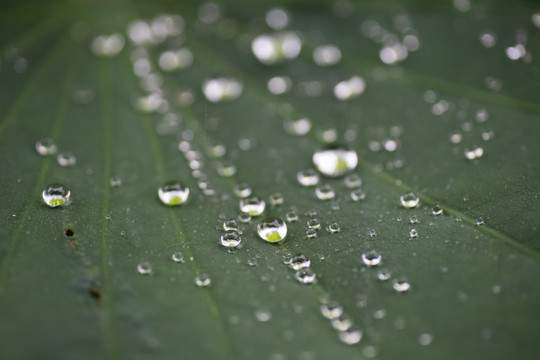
[[68, 231], [95, 293]]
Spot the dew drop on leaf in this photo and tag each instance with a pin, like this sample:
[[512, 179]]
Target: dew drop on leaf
[[298, 262], [231, 239], [46, 146], [144, 268], [335, 161], [203, 280], [308, 177], [253, 206], [272, 230], [409, 200], [173, 193], [371, 258], [56, 195]]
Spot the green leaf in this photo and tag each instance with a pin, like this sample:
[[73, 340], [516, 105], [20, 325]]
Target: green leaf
[[95, 277]]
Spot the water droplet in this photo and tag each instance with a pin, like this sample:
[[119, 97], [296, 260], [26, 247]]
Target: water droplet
[[299, 262], [173, 193], [308, 177], [384, 274], [401, 284], [263, 315], [314, 223], [350, 336], [413, 219], [108, 45], [226, 169], [215, 150], [276, 199], [425, 339], [333, 228], [326, 55], [291, 216], [252, 262], [203, 280], [371, 258], [244, 217], [277, 18], [305, 276], [242, 190], [480, 221], [55, 195], [230, 239], [115, 181], [222, 89], [253, 206], [350, 88], [352, 181], [272, 230], [437, 210], [66, 159], [279, 85], [144, 268], [369, 351], [474, 152], [487, 135], [325, 192], [269, 49], [335, 161], [178, 257], [174, 60], [331, 310], [358, 195], [46, 146], [413, 234], [488, 40], [372, 233], [409, 200], [455, 138], [298, 127], [342, 323], [311, 233], [230, 224]]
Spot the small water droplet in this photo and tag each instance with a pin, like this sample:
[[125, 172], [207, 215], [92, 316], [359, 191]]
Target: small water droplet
[[384, 274], [291, 216], [144, 268], [305, 276], [308, 177], [342, 323], [425, 339], [242, 190], [325, 192], [230, 224], [66, 159], [358, 195], [311, 233], [437, 210], [263, 315], [352, 181], [371, 258], [272, 230], [279, 85], [178, 257], [276, 199], [252, 262], [335, 161], [253, 206], [230, 239], [244, 217], [474, 152], [333, 228], [226, 169], [56, 195], [108, 45], [480, 221], [413, 219], [331, 310], [115, 181], [401, 285], [413, 234], [409, 200], [173, 193], [349, 88], [270, 49], [314, 224], [46, 146], [487, 135], [350, 336], [326, 55], [298, 127], [203, 280], [456, 138], [299, 262], [222, 89], [372, 233]]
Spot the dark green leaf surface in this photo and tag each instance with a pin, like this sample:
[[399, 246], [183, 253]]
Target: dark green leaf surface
[[474, 287]]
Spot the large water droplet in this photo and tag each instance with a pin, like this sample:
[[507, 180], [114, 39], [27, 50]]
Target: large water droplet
[[46, 146], [272, 230], [173, 193], [335, 161], [409, 200], [55, 195], [231, 239], [253, 206]]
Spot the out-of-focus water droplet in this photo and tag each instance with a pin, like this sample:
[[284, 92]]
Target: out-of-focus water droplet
[[331, 309], [325, 192], [413, 219], [384, 274], [326, 55], [242, 190], [272, 230], [436, 210], [369, 351], [82, 95], [480, 221], [487, 40], [230, 224], [108, 45], [115, 181], [144, 268], [203, 280], [413, 234], [335, 161], [409, 200], [173, 193], [222, 89], [455, 138], [305, 276], [536, 19], [277, 18], [56, 195], [425, 339], [342, 323], [474, 152], [314, 224], [215, 150], [178, 257], [253, 206], [298, 127], [46, 146], [401, 285], [333, 228], [226, 169], [311, 233], [276, 199], [482, 115], [308, 177], [487, 135], [273, 48], [299, 262], [230, 239], [175, 60], [350, 88], [252, 262], [263, 315], [291, 216], [352, 181], [393, 53], [279, 85], [244, 217], [350, 336], [371, 258], [358, 195], [66, 159]]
